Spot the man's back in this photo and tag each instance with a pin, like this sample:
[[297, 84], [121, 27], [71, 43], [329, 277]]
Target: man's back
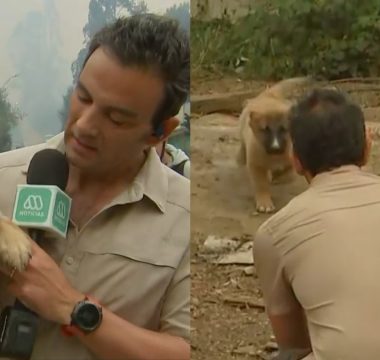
[[323, 250]]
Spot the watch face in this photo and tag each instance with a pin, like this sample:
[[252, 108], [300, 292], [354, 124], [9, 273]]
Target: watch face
[[88, 316]]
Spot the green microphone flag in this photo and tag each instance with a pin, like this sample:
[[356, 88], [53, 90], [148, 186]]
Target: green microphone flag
[[44, 207]]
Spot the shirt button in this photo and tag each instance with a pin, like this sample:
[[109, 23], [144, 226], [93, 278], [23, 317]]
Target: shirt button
[[69, 260]]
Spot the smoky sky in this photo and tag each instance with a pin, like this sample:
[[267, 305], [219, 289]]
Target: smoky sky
[[40, 43], [34, 49]]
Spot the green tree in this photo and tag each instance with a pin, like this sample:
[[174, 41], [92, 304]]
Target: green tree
[[181, 13], [64, 112], [8, 119]]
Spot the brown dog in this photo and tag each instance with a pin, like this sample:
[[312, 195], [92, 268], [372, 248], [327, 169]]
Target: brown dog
[[15, 246], [264, 139]]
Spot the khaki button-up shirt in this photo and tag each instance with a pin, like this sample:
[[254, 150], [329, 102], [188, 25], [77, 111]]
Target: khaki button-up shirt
[[322, 252], [133, 256]]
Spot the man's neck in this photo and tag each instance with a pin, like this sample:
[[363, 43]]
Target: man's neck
[[98, 182], [91, 192], [337, 170]]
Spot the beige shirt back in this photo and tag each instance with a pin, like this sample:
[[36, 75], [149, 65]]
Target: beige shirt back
[[133, 256], [322, 251]]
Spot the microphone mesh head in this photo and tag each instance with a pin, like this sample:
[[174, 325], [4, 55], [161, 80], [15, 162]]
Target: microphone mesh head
[[48, 167]]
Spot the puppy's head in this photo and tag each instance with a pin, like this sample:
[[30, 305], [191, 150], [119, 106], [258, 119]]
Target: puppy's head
[[270, 127]]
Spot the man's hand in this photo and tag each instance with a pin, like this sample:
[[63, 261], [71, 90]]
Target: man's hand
[[43, 288]]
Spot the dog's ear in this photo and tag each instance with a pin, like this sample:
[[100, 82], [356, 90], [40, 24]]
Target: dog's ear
[[257, 121], [254, 120]]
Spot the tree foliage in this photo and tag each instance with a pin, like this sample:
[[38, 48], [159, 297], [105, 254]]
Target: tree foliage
[[8, 119], [284, 38], [64, 112], [180, 12]]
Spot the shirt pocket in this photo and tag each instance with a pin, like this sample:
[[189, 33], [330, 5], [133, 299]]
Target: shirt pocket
[[127, 280]]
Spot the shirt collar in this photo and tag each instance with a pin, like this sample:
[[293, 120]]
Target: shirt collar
[[328, 176], [151, 181]]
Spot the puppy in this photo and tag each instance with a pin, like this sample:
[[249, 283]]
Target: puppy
[[15, 246], [264, 137]]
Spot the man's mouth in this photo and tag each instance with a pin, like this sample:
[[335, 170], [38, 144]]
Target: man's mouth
[[81, 143]]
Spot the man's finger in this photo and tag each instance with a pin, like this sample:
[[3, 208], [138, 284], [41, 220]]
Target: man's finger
[[36, 249]]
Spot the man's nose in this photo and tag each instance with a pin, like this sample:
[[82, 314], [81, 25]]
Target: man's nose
[[88, 121]]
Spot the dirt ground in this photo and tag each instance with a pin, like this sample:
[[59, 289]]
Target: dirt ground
[[228, 317]]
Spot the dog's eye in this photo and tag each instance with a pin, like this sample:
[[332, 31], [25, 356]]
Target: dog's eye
[[265, 129], [283, 129]]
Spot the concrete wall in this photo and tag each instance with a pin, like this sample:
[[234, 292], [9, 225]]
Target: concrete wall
[[216, 9]]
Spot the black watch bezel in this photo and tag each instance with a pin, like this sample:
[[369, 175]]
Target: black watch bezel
[[79, 313]]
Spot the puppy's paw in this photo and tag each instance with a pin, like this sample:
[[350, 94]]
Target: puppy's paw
[[15, 246], [264, 204]]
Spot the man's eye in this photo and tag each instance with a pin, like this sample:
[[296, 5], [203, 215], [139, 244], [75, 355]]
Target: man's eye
[[117, 121], [83, 99]]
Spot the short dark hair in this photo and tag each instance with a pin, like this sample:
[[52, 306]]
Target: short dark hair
[[327, 131], [156, 43]]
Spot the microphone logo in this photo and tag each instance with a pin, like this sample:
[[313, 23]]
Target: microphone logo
[[40, 206], [61, 210], [34, 202]]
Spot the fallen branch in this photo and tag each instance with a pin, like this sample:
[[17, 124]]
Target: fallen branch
[[231, 102], [374, 88], [355, 79], [243, 303], [210, 301]]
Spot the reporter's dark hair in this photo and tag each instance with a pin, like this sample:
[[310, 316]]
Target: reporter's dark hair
[[327, 131], [156, 43]]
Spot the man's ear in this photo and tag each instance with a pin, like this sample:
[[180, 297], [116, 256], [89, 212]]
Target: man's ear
[[298, 167], [165, 129], [296, 163]]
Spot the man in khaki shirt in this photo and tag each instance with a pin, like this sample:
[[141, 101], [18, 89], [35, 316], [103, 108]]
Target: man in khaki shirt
[[318, 258], [128, 241]]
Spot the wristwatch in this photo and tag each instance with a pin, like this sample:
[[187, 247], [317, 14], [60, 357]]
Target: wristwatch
[[86, 316]]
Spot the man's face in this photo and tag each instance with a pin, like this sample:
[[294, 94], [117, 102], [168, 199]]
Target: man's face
[[110, 118]]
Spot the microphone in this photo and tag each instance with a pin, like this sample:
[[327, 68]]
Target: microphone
[[41, 205]]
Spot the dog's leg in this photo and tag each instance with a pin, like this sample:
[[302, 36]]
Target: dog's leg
[[241, 157], [261, 182], [15, 246], [270, 176]]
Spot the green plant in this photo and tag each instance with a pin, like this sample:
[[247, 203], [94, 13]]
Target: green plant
[[328, 38], [9, 115]]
